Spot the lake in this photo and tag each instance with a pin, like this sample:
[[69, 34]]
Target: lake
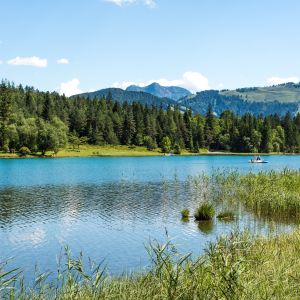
[[111, 208]]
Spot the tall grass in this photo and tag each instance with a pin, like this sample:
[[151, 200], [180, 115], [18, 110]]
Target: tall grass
[[267, 194], [235, 267], [205, 212]]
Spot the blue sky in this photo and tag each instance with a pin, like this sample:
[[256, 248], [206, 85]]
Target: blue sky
[[83, 45]]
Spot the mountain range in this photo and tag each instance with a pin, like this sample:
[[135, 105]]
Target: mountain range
[[278, 99], [171, 92]]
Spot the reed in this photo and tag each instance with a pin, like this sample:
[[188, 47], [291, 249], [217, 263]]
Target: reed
[[234, 267], [185, 213], [205, 212], [267, 194]]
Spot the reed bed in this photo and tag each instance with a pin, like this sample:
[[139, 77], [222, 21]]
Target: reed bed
[[267, 194], [235, 267]]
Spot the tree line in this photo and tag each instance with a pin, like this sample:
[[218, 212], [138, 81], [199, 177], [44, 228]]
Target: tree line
[[42, 121]]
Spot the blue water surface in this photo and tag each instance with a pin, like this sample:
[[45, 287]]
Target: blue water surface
[[111, 208]]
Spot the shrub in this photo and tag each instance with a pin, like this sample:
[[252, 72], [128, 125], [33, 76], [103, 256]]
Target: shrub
[[5, 149], [204, 212], [166, 144], [150, 143], [24, 151], [177, 149], [185, 213]]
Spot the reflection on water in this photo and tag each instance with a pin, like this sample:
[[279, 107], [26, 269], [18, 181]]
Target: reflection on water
[[111, 221], [206, 227]]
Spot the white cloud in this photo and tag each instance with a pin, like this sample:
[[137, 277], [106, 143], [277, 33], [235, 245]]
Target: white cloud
[[63, 61], [1, 62], [33, 61], [29, 236], [125, 84], [280, 80], [193, 81], [69, 88], [149, 3]]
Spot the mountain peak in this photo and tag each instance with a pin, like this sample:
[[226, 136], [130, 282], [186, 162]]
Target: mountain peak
[[171, 92]]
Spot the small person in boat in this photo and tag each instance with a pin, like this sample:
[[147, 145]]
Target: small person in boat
[[257, 158]]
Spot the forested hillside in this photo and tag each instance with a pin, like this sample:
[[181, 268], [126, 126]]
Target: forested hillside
[[43, 121], [278, 99], [240, 105], [129, 97]]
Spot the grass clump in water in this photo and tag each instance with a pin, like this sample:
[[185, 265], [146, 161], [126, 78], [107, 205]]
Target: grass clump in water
[[185, 213], [205, 212], [226, 215]]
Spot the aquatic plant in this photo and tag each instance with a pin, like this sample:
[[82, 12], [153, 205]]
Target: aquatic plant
[[268, 194], [185, 213], [237, 266], [226, 215], [204, 212]]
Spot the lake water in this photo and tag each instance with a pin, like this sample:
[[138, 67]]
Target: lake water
[[110, 208]]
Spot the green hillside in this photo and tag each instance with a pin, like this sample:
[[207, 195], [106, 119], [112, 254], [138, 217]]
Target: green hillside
[[284, 93]]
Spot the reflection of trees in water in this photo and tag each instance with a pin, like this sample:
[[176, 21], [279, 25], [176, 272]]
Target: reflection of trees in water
[[123, 201], [206, 227]]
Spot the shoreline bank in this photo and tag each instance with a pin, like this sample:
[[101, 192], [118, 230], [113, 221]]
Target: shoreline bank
[[125, 151]]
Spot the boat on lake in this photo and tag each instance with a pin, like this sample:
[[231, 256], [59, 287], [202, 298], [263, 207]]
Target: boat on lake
[[258, 160]]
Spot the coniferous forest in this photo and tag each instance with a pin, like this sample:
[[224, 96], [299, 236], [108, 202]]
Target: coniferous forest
[[36, 121]]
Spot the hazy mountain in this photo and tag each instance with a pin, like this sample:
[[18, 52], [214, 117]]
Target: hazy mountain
[[171, 92], [130, 96]]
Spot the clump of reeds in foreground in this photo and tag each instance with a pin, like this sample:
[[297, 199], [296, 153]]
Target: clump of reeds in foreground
[[205, 212], [234, 267]]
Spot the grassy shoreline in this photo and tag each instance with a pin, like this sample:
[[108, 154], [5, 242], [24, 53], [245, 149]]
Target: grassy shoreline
[[234, 267], [125, 151]]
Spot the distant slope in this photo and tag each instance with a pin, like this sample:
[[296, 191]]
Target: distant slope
[[130, 96], [284, 93], [171, 92], [221, 101], [278, 99]]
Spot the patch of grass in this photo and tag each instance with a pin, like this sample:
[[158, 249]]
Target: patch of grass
[[108, 150], [226, 215], [205, 212], [234, 267], [268, 194], [185, 213]]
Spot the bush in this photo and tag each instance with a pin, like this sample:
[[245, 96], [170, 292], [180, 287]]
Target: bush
[[150, 143], [185, 213], [5, 149], [204, 212], [177, 149], [24, 151], [166, 144]]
